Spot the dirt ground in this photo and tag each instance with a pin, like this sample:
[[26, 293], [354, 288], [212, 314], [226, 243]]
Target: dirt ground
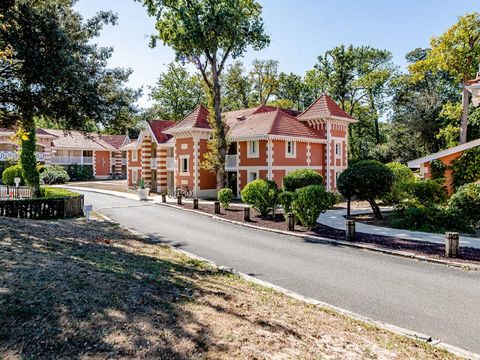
[[77, 290]]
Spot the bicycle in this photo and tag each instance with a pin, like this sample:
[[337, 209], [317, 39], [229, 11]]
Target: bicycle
[[183, 190]]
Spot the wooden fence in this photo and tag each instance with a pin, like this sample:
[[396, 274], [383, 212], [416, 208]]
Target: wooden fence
[[13, 192], [42, 208]]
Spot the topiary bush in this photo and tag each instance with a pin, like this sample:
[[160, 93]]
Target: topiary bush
[[225, 196], [301, 178], [429, 192], [54, 174], [403, 178], [286, 198], [366, 180], [309, 203], [466, 203], [261, 195], [10, 173]]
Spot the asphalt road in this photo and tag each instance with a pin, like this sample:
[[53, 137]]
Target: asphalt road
[[433, 299]]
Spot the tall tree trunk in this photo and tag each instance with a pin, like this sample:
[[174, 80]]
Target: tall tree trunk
[[376, 209], [220, 127], [373, 109], [464, 122]]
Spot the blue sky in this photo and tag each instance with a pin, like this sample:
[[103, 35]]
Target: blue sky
[[300, 30]]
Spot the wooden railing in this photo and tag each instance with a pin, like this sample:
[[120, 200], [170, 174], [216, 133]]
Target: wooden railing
[[42, 208]]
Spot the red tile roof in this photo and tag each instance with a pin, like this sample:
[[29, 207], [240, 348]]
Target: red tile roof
[[198, 118], [117, 141], [324, 107], [275, 122], [158, 127]]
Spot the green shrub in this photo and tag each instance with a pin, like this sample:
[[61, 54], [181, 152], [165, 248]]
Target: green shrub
[[366, 180], [54, 174], [429, 192], [286, 198], [80, 172], [466, 203], [335, 198], [403, 178], [419, 218], [262, 195], [437, 169], [309, 203], [52, 192], [225, 196], [430, 218], [10, 173], [301, 178], [466, 168]]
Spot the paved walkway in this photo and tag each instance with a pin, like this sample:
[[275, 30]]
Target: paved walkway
[[336, 219]]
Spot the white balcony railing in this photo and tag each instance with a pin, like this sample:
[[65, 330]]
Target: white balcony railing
[[154, 163], [231, 162], [13, 155], [171, 164], [67, 160]]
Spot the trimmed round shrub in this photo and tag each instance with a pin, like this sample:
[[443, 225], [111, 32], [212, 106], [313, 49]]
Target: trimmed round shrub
[[403, 178], [225, 196], [54, 174], [309, 203], [466, 203], [261, 195], [366, 180], [335, 198], [286, 198], [79, 172], [301, 178], [429, 192], [10, 173]]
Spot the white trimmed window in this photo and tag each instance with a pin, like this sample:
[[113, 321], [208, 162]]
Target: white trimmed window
[[338, 150], [252, 149], [134, 176], [290, 150], [252, 175], [134, 155], [184, 164]]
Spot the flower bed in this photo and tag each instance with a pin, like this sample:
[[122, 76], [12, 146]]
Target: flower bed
[[277, 222]]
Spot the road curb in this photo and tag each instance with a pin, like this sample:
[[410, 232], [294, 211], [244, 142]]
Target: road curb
[[319, 239], [379, 324]]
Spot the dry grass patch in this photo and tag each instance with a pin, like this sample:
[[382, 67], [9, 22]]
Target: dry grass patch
[[74, 290]]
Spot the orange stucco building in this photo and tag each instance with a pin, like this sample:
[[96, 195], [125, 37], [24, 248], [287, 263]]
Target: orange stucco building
[[266, 143], [446, 157], [58, 147]]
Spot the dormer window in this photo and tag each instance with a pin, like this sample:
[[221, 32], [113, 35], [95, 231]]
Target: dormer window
[[290, 149]]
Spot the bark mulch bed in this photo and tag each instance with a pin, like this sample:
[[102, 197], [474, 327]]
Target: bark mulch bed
[[72, 289], [431, 250]]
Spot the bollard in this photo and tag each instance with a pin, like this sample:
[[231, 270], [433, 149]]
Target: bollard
[[350, 232], [164, 198], [179, 199], [195, 204], [452, 244], [291, 222], [217, 207], [246, 213]]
